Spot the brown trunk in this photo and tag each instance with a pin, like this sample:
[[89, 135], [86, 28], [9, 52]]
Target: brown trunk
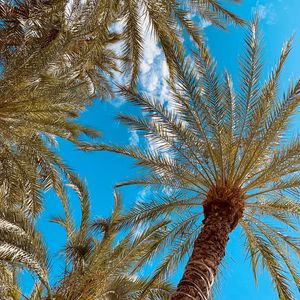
[[222, 210]]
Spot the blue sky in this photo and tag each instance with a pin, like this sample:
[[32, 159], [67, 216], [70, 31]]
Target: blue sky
[[280, 18]]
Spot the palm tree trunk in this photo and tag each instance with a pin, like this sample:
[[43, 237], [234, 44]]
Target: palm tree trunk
[[220, 218]]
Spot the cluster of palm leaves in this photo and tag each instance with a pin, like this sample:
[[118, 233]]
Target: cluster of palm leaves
[[218, 158], [100, 268], [215, 141]]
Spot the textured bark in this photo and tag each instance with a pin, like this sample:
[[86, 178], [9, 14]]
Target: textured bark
[[222, 210]]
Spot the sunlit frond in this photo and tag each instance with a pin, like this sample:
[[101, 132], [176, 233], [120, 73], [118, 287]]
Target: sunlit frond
[[221, 147], [101, 268], [21, 245]]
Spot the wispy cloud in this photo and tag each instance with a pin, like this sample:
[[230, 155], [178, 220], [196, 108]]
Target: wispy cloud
[[154, 69], [133, 138], [204, 24], [265, 12], [118, 102]]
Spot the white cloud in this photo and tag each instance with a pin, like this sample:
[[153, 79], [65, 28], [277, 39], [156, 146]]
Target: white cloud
[[118, 26], [154, 77], [260, 10], [165, 69], [153, 61], [134, 138], [145, 67], [151, 49], [204, 24], [117, 102], [265, 12], [154, 68], [165, 92], [150, 81]]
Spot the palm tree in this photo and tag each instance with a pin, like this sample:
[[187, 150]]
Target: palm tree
[[101, 268], [226, 156], [36, 109], [30, 165], [56, 58], [95, 268], [31, 122], [53, 65]]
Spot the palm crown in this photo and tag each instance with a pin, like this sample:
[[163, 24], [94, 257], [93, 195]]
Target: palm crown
[[224, 152], [103, 268]]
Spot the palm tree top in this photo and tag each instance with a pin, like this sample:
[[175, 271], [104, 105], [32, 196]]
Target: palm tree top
[[104, 267], [217, 148], [219, 137]]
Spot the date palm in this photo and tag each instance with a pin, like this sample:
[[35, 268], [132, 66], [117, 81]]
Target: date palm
[[36, 109], [101, 268], [29, 167], [31, 122], [54, 62], [227, 156], [56, 58]]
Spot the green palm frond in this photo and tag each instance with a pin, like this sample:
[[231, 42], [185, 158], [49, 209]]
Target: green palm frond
[[217, 12], [273, 256], [8, 285], [37, 292]]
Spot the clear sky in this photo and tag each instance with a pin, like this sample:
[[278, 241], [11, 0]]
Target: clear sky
[[280, 18]]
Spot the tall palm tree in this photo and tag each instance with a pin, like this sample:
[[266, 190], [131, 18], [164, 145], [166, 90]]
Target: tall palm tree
[[227, 156], [56, 57], [103, 268]]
